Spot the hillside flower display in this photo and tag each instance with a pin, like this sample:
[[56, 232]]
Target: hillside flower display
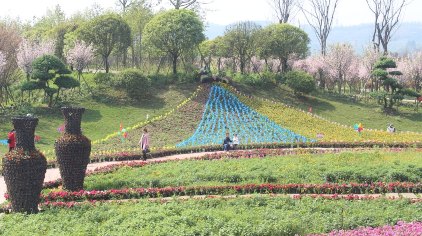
[[224, 112]]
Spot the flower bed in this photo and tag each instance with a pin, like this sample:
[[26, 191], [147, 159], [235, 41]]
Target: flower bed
[[136, 193], [257, 215], [374, 167], [225, 113], [401, 228]]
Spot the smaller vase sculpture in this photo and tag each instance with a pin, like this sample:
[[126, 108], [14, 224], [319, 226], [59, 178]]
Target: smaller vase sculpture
[[73, 150], [24, 168]]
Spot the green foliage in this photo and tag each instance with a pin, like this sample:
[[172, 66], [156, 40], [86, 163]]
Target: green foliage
[[300, 81], [316, 169], [282, 41], [30, 86], [385, 63], [241, 41], [102, 79], [50, 68], [134, 83], [66, 82], [410, 93], [108, 33], [253, 216], [174, 32], [47, 67]]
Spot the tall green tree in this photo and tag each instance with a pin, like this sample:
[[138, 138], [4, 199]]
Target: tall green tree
[[174, 32], [281, 41], [242, 39], [137, 15], [107, 33]]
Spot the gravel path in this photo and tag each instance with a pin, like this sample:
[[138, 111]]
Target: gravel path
[[53, 174]]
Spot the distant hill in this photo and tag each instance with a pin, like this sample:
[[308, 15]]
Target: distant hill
[[406, 39]]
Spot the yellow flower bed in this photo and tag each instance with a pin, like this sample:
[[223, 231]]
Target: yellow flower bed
[[312, 126]]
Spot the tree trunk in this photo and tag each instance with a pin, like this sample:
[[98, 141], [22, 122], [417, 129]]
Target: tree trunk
[[175, 64], [106, 65]]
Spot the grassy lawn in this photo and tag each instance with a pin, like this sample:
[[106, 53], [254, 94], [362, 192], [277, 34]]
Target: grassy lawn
[[254, 216], [339, 168], [341, 109]]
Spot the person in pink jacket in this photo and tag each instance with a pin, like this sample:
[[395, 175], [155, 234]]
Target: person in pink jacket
[[144, 144]]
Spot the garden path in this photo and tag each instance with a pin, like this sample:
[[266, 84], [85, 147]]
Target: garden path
[[53, 174]]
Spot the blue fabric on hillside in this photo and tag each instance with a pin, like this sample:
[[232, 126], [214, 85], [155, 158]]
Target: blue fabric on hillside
[[225, 113]]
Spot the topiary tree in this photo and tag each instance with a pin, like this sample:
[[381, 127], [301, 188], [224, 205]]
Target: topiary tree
[[300, 81], [385, 74], [51, 75]]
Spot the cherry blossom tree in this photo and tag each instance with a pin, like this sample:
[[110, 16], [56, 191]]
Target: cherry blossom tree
[[80, 56], [29, 51], [412, 70], [339, 59]]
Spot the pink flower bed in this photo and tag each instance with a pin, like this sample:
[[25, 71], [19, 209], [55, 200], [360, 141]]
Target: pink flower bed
[[400, 229]]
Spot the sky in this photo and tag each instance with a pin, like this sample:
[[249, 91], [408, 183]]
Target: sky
[[349, 12]]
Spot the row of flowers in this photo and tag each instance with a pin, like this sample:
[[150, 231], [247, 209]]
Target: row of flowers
[[401, 228], [257, 153], [313, 126], [349, 197], [327, 188]]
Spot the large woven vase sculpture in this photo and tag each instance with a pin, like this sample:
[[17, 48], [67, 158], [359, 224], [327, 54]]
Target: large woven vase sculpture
[[73, 150], [24, 168]]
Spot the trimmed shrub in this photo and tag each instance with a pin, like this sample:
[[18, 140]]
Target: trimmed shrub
[[133, 82], [300, 82]]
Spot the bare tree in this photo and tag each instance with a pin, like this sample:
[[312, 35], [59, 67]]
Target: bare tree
[[126, 4], [284, 9], [178, 4], [320, 17], [387, 15]]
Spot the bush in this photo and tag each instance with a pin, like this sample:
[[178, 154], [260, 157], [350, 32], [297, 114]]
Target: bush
[[300, 82], [133, 82], [102, 79]]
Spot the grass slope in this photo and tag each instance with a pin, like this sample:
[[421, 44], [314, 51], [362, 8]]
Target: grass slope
[[255, 216], [103, 116], [169, 131]]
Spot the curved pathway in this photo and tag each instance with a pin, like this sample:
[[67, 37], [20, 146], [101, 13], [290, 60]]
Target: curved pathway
[[53, 174]]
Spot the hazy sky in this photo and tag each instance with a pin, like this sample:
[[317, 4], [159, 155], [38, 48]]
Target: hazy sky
[[350, 12]]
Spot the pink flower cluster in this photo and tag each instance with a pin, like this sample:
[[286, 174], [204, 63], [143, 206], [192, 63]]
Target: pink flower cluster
[[400, 229]]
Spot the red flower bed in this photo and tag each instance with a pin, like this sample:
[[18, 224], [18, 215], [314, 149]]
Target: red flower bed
[[328, 188]]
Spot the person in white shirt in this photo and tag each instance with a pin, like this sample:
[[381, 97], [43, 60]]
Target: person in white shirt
[[391, 128], [235, 141]]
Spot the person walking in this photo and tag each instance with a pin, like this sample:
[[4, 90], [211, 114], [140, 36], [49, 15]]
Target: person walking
[[11, 139], [144, 144], [226, 143]]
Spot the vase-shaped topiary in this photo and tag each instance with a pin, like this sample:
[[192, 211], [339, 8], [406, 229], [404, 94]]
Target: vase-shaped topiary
[[73, 150], [24, 168]]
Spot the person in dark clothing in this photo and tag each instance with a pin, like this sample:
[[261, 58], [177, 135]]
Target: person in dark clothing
[[227, 142]]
